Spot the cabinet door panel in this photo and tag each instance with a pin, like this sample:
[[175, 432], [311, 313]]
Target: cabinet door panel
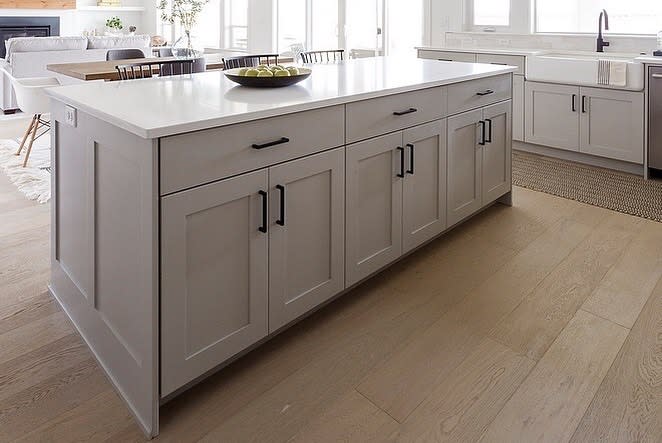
[[374, 206], [497, 153], [550, 118], [518, 107], [464, 166], [612, 124], [307, 252], [214, 276], [424, 193]]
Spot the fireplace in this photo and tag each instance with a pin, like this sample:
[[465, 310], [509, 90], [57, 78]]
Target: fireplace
[[27, 27]]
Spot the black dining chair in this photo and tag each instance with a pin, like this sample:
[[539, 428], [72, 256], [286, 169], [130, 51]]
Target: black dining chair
[[150, 69], [250, 61], [331, 55], [199, 65], [124, 54]]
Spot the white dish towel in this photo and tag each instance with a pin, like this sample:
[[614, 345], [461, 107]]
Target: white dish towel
[[612, 73]]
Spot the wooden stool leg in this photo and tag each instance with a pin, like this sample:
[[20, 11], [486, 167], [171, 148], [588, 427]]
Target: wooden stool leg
[[25, 137], [34, 133]]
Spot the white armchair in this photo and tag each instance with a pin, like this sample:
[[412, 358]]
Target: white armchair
[[32, 100]]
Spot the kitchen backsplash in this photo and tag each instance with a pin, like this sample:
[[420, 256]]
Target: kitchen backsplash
[[491, 40]]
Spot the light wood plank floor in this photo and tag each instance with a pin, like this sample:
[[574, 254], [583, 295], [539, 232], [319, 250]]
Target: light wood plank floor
[[540, 322]]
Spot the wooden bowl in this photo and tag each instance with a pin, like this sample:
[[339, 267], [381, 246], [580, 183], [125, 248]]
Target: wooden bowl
[[267, 82]]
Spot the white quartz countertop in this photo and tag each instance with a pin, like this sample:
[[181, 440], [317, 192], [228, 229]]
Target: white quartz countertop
[[159, 107], [650, 60], [501, 51]]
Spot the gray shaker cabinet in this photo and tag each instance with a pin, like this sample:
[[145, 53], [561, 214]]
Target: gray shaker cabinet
[[552, 115], [306, 235], [214, 276]]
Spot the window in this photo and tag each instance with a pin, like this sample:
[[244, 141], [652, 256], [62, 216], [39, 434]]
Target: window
[[292, 24], [580, 16], [236, 24], [491, 12], [312, 24]]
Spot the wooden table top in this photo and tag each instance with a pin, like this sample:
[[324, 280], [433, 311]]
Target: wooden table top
[[105, 70]]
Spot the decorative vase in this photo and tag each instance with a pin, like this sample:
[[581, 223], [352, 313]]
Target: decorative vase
[[184, 46]]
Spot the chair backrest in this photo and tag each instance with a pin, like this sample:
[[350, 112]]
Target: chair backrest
[[165, 52], [150, 69], [250, 61], [331, 55], [199, 65], [29, 93], [124, 54]]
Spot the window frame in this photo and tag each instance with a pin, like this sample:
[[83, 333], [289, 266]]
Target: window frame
[[472, 26]]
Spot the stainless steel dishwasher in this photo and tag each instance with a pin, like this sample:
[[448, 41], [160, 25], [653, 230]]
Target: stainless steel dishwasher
[[655, 118]]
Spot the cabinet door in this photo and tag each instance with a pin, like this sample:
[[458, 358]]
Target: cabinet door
[[552, 115], [497, 157], [374, 205], [424, 192], [214, 276], [612, 124], [307, 235], [518, 107], [464, 165]]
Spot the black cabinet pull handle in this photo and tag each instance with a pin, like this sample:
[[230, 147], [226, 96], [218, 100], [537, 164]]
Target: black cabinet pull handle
[[408, 111], [485, 92], [281, 217], [411, 159], [270, 144], [401, 174], [489, 130], [263, 228], [482, 133], [574, 102], [583, 104]]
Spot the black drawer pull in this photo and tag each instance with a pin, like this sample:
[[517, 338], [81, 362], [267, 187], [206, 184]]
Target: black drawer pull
[[273, 143], [408, 111], [411, 159], [401, 174], [485, 92], [574, 102], [263, 228], [281, 217], [489, 130], [583, 104]]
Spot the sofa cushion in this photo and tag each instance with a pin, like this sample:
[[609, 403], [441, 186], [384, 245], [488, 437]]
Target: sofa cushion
[[41, 44], [123, 41]]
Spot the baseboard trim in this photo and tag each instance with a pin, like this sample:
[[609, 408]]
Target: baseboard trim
[[580, 157]]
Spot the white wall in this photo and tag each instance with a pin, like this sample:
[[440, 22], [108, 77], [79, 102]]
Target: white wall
[[450, 28]]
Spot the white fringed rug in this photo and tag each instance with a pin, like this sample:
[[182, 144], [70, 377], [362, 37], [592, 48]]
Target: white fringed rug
[[35, 180]]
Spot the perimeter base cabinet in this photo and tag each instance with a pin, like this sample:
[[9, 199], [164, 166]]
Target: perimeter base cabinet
[[604, 122], [245, 256], [479, 159], [396, 196]]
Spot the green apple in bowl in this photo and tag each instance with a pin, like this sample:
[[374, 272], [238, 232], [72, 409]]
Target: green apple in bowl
[[252, 73], [282, 73], [293, 70], [261, 67], [265, 73], [243, 72]]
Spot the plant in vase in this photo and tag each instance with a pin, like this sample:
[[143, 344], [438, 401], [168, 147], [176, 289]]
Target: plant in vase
[[185, 12], [114, 26]]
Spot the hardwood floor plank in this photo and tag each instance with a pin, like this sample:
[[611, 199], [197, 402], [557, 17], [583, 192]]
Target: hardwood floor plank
[[23, 412], [34, 335], [536, 322], [623, 292], [34, 367], [461, 407], [550, 403], [93, 420], [400, 384], [352, 418], [628, 405], [26, 311]]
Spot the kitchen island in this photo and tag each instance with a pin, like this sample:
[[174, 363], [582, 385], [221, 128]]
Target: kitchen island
[[193, 219]]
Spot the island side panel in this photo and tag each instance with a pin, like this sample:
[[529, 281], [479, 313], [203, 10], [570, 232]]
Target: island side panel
[[104, 250]]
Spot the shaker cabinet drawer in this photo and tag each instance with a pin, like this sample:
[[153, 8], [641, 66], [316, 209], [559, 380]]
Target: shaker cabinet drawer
[[378, 116], [448, 56], [501, 59], [478, 93], [197, 158]]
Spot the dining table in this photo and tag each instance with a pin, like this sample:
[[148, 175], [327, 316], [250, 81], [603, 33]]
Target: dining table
[[106, 70]]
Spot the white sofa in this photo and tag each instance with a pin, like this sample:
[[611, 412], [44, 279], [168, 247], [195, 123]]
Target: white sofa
[[29, 56]]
